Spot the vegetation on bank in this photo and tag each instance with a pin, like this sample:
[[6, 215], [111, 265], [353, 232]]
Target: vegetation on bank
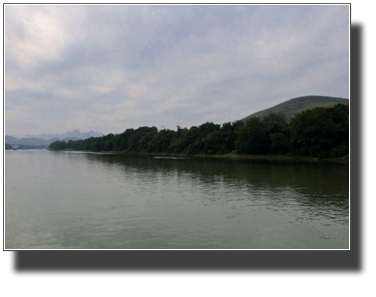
[[318, 133]]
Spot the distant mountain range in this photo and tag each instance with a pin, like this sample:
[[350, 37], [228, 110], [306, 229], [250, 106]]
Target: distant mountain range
[[34, 141], [291, 107], [45, 140], [75, 133]]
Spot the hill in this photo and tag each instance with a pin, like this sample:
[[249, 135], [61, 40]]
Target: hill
[[293, 106], [29, 141], [46, 139], [75, 134]]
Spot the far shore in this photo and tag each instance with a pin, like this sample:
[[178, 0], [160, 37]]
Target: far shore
[[343, 160]]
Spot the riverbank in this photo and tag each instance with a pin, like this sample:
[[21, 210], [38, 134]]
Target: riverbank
[[342, 160]]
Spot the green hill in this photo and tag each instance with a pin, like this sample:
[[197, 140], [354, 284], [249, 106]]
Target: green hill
[[293, 106]]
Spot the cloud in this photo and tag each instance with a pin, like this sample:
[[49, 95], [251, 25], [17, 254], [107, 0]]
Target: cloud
[[112, 67], [35, 35]]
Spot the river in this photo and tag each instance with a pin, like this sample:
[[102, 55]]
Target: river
[[78, 200]]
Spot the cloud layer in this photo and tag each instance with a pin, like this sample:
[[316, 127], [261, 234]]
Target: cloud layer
[[111, 67]]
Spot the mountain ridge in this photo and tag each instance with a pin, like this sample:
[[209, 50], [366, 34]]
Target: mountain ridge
[[70, 134], [32, 141], [295, 105]]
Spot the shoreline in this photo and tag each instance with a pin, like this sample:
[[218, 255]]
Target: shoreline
[[342, 160]]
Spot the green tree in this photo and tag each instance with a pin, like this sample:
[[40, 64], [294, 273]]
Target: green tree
[[278, 134], [321, 132], [252, 138]]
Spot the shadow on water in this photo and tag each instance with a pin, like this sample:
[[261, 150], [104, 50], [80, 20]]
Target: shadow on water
[[313, 181]]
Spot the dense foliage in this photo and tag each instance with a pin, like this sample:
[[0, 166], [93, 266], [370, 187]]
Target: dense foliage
[[318, 132], [321, 132]]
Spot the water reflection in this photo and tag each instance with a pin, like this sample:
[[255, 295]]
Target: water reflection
[[316, 186], [81, 200]]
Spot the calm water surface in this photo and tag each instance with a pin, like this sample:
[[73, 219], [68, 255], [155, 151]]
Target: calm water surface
[[75, 200]]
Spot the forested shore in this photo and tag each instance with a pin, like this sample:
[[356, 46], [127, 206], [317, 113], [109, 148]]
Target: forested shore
[[319, 133]]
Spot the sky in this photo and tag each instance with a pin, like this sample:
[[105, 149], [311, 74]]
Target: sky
[[108, 68]]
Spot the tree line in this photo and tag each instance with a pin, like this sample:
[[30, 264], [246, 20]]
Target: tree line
[[319, 132]]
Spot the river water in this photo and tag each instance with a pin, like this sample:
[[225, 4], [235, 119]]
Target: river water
[[77, 200]]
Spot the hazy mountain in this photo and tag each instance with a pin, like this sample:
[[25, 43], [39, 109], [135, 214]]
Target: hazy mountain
[[46, 139], [10, 139], [291, 107], [70, 134], [33, 141], [42, 136], [29, 141]]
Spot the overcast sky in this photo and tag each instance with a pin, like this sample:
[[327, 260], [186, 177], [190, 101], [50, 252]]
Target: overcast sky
[[108, 67]]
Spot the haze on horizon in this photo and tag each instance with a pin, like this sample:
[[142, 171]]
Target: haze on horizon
[[111, 67]]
